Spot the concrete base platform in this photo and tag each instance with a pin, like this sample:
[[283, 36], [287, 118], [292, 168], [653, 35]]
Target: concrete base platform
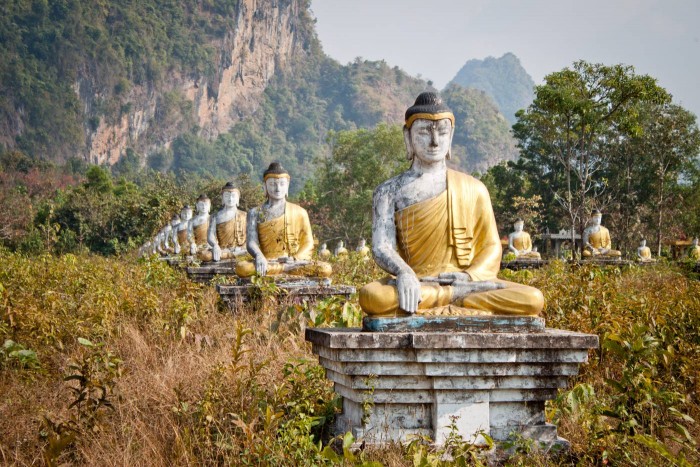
[[523, 264], [233, 295], [205, 272], [399, 384]]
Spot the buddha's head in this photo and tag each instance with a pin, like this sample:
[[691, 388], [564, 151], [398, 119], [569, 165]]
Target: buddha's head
[[428, 129], [174, 220], [230, 196], [518, 225], [695, 241], [186, 213], [643, 243], [323, 246], [203, 205], [276, 180], [341, 244], [362, 243], [596, 217]]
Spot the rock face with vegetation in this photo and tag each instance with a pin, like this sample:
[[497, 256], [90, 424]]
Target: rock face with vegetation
[[504, 79], [218, 87]]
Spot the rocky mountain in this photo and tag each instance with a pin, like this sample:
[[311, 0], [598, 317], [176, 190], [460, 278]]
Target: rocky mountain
[[214, 87], [504, 79]]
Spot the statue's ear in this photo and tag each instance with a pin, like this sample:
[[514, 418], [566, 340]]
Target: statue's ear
[[407, 142], [449, 149]]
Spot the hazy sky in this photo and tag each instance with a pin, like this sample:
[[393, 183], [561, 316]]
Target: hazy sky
[[435, 38]]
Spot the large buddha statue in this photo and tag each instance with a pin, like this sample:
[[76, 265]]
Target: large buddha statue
[[279, 234], [694, 250], [596, 239], [435, 232], [644, 253], [227, 228], [199, 225], [183, 234], [520, 243]]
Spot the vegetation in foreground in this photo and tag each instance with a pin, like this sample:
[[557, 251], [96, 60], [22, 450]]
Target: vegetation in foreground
[[113, 361]]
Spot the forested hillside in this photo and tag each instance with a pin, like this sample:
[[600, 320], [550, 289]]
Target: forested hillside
[[214, 87], [504, 79]]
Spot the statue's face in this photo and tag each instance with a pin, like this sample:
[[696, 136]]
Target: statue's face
[[230, 198], [277, 188], [341, 244], [595, 220], [362, 243], [518, 226], [203, 207], [323, 246], [186, 214], [695, 242], [643, 243], [431, 140]]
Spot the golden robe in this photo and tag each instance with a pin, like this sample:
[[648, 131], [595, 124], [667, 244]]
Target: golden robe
[[287, 235], [200, 233], [183, 242], [601, 239], [524, 242], [324, 254], [452, 232], [363, 252], [229, 235], [645, 254]]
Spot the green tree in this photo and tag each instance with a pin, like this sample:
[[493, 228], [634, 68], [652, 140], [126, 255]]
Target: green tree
[[572, 129], [345, 182]]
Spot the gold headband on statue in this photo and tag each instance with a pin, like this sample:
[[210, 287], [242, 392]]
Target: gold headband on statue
[[428, 116], [276, 176]]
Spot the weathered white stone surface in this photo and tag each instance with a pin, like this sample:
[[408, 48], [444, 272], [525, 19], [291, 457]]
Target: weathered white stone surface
[[421, 383]]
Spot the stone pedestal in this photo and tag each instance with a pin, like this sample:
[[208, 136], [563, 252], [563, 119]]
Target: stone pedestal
[[233, 295], [207, 271], [518, 264], [398, 384]]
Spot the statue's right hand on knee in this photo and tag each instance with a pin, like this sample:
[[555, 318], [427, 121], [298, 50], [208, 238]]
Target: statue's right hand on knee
[[408, 287], [216, 253], [261, 265]]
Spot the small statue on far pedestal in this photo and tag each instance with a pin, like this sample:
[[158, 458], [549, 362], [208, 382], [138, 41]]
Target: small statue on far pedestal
[[644, 253], [169, 232], [340, 251], [324, 253], [279, 234], [227, 228], [520, 243], [596, 240], [183, 234], [362, 249], [694, 250]]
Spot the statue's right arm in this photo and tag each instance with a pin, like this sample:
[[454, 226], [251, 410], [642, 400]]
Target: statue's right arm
[[384, 248], [211, 232], [253, 243], [586, 236]]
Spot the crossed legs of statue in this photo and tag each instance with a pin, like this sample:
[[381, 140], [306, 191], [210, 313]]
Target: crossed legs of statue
[[308, 269], [380, 298]]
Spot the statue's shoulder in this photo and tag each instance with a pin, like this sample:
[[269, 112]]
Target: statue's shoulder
[[392, 185], [466, 180]]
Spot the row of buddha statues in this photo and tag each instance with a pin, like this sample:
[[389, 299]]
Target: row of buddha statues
[[433, 232], [276, 234], [596, 243]]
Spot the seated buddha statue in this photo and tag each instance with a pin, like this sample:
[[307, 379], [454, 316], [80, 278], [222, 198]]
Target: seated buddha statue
[[435, 233], [520, 243], [279, 234], [199, 225], [362, 249], [340, 250], [596, 239], [183, 234], [227, 228], [644, 253], [694, 250], [323, 252]]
